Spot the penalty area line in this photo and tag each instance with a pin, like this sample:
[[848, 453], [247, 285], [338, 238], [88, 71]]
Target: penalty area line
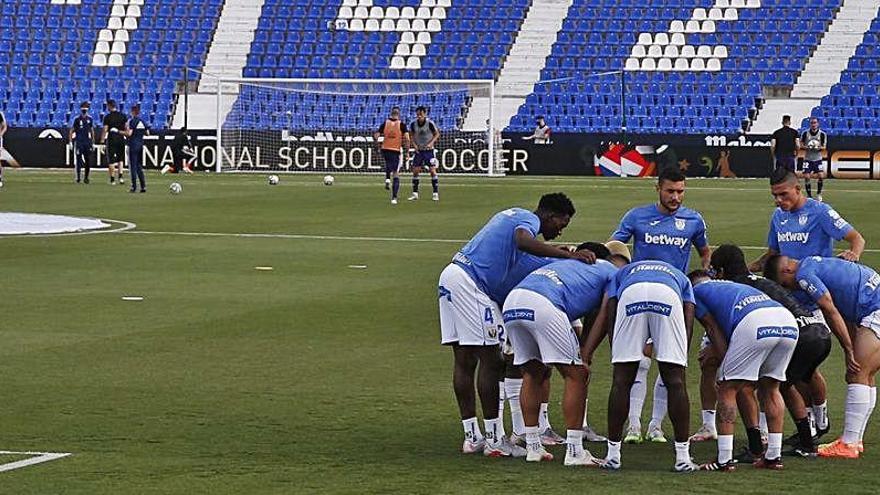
[[246, 235], [38, 458]]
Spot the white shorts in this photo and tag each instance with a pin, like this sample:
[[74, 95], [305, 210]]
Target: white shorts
[[872, 322], [467, 315], [761, 346], [652, 310], [538, 330]]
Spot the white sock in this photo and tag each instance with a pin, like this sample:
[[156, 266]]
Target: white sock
[[762, 423], [858, 401], [512, 386], [658, 412], [820, 415], [871, 404], [613, 450], [544, 417], [682, 452], [774, 446], [725, 448], [533, 438], [586, 422], [501, 398], [471, 430], [493, 433], [574, 440], [812, 419], [637, 394], [709, 419]]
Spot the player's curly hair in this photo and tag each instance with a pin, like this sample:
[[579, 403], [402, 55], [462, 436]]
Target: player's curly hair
[[598, 249], [697, 275], [772, 267], [730, 258], [556, 204]]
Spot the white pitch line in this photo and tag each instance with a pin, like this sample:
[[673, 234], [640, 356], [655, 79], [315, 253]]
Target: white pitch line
[[345, 238], [39, 458]]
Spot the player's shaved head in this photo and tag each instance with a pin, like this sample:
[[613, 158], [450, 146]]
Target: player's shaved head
[[728, 261], [781, 269], [698, 276], [786, 189], [782, 175]]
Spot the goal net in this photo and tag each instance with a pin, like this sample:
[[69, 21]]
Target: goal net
[[328, 126]]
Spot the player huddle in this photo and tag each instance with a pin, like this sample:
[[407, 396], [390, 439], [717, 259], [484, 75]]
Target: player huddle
[[512, 307]]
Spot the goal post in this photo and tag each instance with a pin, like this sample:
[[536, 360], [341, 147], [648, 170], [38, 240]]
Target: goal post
[[328, 125]]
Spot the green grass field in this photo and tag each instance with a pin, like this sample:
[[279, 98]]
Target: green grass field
[[314, 377]]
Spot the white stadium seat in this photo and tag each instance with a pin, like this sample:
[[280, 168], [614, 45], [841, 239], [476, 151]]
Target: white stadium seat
[[720, 51], [365, 3], [704, 51], [345, 12], [392, 13], [424, 38], [134, 2], [404, 25], [377, 13], [676, 26], [418, 50], [423, 13], [407, 13], [677, 39], [429, 3], [692, 26], [713, 65], [114, 23], [648, 64], [99, 60], [118, 47], [387, 25], [407, 36], [121, 35], [102, 47], [645, 39], [114, 60], [664, 64], [433, 25], [438, 13], [632, 64], [722, 4], [402, 49], [731, 15], [638, 51], [661, 39], [687, 51], [361, 12], [117, 11], [57, 2], [414, 63], [698, 64], [419, 25], [753, 4], [356, 25], [740, 4], [105, 35], [682, 64], [715, 14], [444, 3], [708, 27], [655, 51], [349, 3], [371, 25], [130, 23], [133, 11], [699, 14], [397, 63], [670, 51]]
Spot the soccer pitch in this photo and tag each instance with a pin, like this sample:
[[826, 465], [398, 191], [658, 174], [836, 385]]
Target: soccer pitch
[[319, 376]]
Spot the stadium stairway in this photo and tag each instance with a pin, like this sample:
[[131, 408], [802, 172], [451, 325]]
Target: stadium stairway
[[823, 69], [523, 66]]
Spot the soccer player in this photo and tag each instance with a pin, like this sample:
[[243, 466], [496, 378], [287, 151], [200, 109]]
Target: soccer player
[[755, 337], [539, 315], [3, 128], [813, 346], [470, 320], [394, 138], [424, 135], [663, 231], [541, 135], [848, 295], [647, 299], [135, 129], [784, 145], [82, 136], [814, 141], [114, 124], [182, 152]]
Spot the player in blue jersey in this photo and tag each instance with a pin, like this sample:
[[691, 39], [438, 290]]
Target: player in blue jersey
[[755, 337], [470, 320], [540, 315], [647, 299], [663, 231], [135, 129], [848, 295], [82, 137]]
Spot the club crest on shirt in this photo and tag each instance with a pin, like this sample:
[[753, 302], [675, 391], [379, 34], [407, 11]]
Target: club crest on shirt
[[680, 223], [803, 219]]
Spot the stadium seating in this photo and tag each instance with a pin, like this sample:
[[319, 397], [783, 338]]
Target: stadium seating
[[853, 107], [702, 76], [56, 54]]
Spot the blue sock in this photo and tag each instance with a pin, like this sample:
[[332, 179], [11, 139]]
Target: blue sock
[[395, 186], [415, 184], [435, 183]]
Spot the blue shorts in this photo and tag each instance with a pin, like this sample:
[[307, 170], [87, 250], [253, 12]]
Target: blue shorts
[[392, 160], [424, 158], [814, 166], [786, 162]]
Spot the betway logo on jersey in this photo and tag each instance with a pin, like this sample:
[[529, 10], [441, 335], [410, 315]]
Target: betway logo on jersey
[[750, 300], [801, 237], [665, 240]]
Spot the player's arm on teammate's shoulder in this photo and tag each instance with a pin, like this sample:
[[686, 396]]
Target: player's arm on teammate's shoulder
[[856, 246], [838, 328], [716, 335], [758, 265], [595, 334], [526, 242]]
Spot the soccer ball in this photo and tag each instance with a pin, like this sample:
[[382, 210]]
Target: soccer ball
[[328, 180], [175, 188], [273, 180], [814, 144]]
